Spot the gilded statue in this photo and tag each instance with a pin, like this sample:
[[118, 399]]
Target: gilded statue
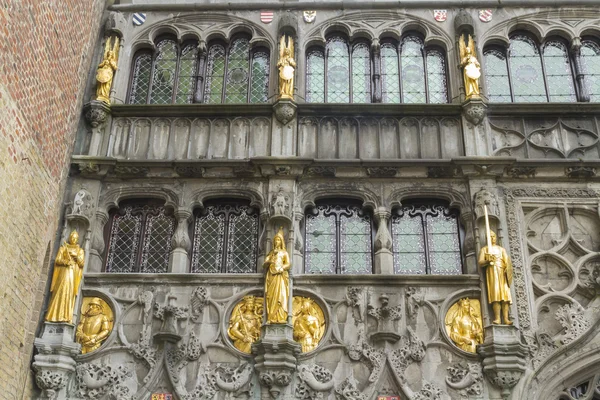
[[245, 322], [471, 67], [95, 324], [68, 270], [498, 275], [106, 70], [286, 66], [277, 281], [464, 324], [308, 322]]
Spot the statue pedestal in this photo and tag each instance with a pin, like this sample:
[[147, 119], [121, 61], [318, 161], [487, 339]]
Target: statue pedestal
[[55, 362], [503, 357], [275, 360]]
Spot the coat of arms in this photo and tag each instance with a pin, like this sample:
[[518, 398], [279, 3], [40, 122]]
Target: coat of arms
[[485, 15], [440, 15]]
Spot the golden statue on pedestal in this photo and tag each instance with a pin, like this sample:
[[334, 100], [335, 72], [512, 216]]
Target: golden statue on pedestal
[[245, 322], [277, 281], [68, 271], [471, 67], [95, 325], [464, 325], [106, 70], [498, 274], [286, 66], [308, 322]]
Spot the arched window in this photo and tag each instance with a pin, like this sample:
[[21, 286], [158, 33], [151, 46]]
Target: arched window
[[233, 75], [315, 76], [590, 63], [337, 64], [426, 240], [529, 73], [139, 238], [338, 240], [225, 238]]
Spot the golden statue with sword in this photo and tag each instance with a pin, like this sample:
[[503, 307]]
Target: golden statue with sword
[[498, 274]]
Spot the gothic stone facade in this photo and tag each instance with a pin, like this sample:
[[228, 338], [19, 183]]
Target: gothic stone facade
[[533, 164]]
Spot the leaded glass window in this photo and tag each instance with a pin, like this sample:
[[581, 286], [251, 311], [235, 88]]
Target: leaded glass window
[[559, 77], [215, 74], [390, 79], [338, 240], [361, 74], [225, 239], [426, 240], [338, 70], [588, 390], [412, 65], [496, 76], [526, 70], [259, 88], [236, 90], [315, 76], [590, 63], [140, 84], [165, 68], [140, 239], [436, 77], [186, 78]]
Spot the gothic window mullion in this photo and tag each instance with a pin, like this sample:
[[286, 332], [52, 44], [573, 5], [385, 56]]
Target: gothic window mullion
[[399, 57], [225, 241], [510, 83], [426, 234], [544, 74], [152, 72], [200, 73], [425, 73]]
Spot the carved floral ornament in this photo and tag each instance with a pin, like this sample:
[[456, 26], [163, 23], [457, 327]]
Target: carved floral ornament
[[308, 321]]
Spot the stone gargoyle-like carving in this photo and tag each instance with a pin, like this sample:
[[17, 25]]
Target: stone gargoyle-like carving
[[51, 382], [314, 382], [347, 390], [355, 297], [96, 382], [275, 381], [198, 301], [428, 392], [486, 198], [466, 379], [234, 380]]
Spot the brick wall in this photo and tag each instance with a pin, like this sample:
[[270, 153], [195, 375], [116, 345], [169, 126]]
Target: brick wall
[[45, 55]]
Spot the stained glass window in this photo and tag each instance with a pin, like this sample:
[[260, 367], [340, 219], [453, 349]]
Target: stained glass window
[[361, 74], [559, 77], [225, 239], [237, 72], [389, 73], [259, 88], [165, 68], [140, 84], [590, 63], [186, 78], [526, 70], [496, 76], [426, 240], [315, 76], [215, 74], [436, 77], [338, 240], [338, 71], [412, 65], [140, 239]]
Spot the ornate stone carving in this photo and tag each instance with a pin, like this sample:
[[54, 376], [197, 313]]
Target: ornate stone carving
[[131, 170], [580, 172], [51, 382], [474, 110], [355, 298], [347, 390], [234, 381], [314, 382], [374, 358], [442, 172], [521, 172], [280, 203], [429, 392], [198, 301], [486, 198], [414, 300], [83, 204], [169, 314], [285, 111], [412, 349], [466, 378], [95, 382], [96, 113], [275, 381], [328, 172], [90, 168], [571, 318], [382, 172], [190, 171], [385, 316]]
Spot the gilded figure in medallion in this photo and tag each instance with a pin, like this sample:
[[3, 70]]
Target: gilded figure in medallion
[[498, 276], [287, 67], [308, 322], [106, 70], [95, 324], [471, 67], [245, 322], [277, 281], [464, 324], [68, 271]]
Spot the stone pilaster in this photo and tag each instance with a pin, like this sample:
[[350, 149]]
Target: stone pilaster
[[179, 260], [504, 357], [384, 259]]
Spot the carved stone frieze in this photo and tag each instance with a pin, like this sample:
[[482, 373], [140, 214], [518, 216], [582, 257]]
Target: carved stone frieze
[[347, 390], [315, 382], [442, 172], [51, 382], [465, 378], [198, 301], [580, 172], [131, 170], [474, 110], [521, 172], [414, 300], [486, 198], [96, 382], [571, 318], [429, 391], [285, 111], [382, 172], [328, 172], [96, 113]]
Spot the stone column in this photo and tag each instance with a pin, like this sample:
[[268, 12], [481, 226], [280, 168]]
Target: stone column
[[384, 259], [179, 261], [376, 51], [202, 53], [96, 262], [579, 75]]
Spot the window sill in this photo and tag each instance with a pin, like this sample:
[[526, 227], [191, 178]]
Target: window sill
[[537, 109]]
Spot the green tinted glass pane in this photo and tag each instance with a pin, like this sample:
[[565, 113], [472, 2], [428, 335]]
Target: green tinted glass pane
[[142, 68], [215, 74], [444, 245], [355, 242], [187, 74], [241, 244], [413, 74], [320, 244], [436, 77], [590, 62], [237, 72], [389, 74], [496, 76], [558, 72], [338, 71], [315, 77], [361, 74], [165, 66], [259, 88], [408, 245], [526, 70]]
